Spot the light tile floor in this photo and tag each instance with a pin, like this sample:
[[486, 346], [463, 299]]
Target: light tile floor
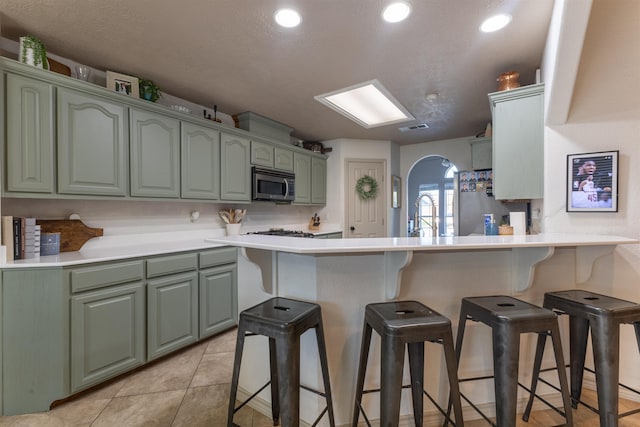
[[191, 389]]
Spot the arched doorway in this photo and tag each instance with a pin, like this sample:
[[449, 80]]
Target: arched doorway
[[431, 179]]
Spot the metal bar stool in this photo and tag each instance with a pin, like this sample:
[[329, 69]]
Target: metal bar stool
[[508, 318], [603, 315], [403, 323], [283, 321]]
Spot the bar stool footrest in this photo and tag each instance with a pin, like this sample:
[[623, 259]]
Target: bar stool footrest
[[581, 402]]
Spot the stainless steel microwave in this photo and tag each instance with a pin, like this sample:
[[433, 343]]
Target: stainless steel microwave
[[273, 185]]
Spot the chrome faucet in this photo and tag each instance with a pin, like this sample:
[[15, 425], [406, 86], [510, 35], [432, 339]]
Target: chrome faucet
[[416, 219]]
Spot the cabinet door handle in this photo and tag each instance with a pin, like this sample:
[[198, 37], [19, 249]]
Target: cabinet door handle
[[352, 228]]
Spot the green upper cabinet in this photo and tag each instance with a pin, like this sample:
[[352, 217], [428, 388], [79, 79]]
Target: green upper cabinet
[[155, 155], [318, 181], [481, 153], [92, 145], [235, 168], [200, 162], [30, 135], [518, 142], [302, 169], [283, 159], [262, 154]]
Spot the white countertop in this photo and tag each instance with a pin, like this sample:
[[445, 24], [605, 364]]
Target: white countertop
[[394, 244], [111, 253]]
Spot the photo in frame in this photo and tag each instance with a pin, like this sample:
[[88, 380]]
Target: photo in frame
[[121, 83], [396, 191], [592, 182]]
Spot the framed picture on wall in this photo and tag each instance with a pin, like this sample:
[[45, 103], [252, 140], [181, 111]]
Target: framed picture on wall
[[121, 83], [592, 182], [396, 191]]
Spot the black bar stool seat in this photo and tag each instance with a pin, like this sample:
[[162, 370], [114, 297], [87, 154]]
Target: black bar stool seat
[[509, 317], [283, 320], [603, 315], [401, 323]]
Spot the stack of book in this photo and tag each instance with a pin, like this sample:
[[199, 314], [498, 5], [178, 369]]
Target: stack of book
[[21, 236]]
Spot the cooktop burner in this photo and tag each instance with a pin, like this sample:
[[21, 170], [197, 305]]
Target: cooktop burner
[[283, 232]]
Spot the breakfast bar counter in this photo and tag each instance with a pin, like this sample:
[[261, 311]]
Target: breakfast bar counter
[[343, 275]]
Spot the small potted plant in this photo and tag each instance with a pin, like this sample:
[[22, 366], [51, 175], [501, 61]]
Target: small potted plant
[[33, 52], [149, 90]]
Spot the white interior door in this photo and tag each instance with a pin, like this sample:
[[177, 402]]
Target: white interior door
[[365, 218]]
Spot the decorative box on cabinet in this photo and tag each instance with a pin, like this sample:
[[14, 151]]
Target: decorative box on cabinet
[[92, 145], [518, 139], [235, 168], [30, 135], [200, 162], [155, 155]]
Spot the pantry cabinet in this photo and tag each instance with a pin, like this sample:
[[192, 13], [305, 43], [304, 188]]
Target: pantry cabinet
[[155, 155], [518, 142], [92, 145], [30, 135]]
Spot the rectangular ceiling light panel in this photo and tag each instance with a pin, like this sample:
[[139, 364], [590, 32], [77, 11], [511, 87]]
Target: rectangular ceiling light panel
[[369, 104]]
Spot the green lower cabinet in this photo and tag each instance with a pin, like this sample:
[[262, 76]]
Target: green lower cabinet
[[107, 333], [172, 313], [218, 299], [35, 339], [64, 330]]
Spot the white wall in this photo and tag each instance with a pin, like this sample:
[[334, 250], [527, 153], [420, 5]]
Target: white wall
[[126, 217], [604, 115], [344, 149], [457, 150]]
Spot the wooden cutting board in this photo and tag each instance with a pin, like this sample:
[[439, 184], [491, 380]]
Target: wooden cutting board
[[58, 67], [73, 233]]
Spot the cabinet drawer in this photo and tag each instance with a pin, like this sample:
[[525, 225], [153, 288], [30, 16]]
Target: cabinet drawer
[[172, 264], [217, 257], [102, 275]]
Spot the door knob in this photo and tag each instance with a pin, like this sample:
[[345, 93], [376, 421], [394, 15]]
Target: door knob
[[352, 228]]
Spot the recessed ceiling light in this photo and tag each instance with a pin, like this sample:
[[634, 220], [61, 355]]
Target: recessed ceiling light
[[288, 18], [369, 104], [396, 11], [495, 23]]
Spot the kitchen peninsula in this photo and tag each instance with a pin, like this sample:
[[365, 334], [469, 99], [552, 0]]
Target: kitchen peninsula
[[344, 275]]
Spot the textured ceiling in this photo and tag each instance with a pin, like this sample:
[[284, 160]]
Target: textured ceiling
[[230, 53]]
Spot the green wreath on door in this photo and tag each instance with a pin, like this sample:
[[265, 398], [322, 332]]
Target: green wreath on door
[[367, 188]]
